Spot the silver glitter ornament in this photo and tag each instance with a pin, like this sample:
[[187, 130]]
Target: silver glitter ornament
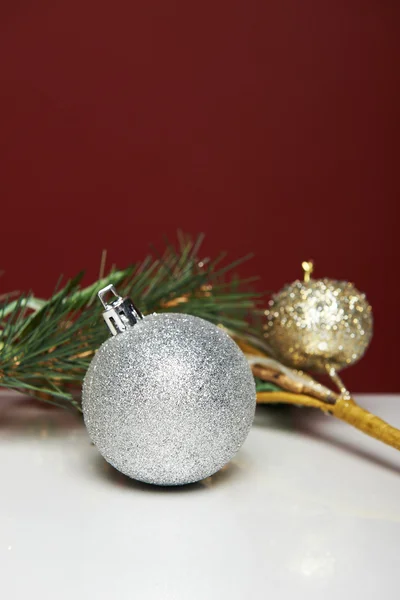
[[170, 398]]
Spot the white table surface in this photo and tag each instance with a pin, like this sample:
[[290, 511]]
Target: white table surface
[[310, 508]]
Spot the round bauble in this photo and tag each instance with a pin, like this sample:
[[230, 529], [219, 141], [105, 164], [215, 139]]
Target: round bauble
[[170, 400], [319, 324]]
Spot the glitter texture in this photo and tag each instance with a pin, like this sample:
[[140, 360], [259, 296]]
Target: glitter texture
[[317, 323], [170, 400]]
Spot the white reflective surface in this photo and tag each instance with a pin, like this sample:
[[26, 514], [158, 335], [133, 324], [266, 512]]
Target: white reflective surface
[[309, 509]]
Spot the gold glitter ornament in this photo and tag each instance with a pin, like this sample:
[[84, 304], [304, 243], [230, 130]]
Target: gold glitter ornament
[[319, 324]]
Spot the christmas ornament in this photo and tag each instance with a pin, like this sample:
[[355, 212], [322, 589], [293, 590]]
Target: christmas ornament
[[322, 325], [319, 324], [169, 398]]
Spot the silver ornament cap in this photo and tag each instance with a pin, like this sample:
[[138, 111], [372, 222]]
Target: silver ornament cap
[[120, 313], [170, 398]]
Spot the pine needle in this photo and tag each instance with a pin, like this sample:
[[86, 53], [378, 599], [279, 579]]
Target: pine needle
[[46, 345]]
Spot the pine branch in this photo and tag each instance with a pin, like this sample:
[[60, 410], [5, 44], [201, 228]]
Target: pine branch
[[46, 345]]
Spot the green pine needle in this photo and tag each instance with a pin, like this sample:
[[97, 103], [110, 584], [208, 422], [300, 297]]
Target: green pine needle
[[46, 345], [266, 386]]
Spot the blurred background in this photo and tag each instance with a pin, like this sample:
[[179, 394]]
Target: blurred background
[[272, 127]]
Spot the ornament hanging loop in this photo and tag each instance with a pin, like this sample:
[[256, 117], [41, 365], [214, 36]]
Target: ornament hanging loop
[[121, 313]]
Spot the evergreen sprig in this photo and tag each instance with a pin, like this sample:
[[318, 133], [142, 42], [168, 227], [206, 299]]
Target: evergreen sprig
[[47, 345]]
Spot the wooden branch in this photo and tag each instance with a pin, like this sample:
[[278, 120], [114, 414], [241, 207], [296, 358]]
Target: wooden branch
[[345, 409]]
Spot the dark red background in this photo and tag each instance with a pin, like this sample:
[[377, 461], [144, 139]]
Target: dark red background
[[271, 126]]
